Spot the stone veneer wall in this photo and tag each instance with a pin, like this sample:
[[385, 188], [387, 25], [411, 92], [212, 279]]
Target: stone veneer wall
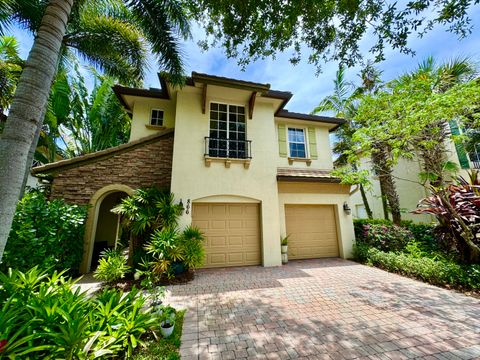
[[142, 166]]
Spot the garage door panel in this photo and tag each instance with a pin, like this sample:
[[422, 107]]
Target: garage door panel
[[312, 230], [217, 241], [232, 232], [235, 241]]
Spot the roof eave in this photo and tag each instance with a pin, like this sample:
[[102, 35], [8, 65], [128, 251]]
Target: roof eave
[[227, 82], [73, 162], [328, 180]]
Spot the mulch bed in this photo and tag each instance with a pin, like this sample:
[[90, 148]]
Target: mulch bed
[[129, 282]]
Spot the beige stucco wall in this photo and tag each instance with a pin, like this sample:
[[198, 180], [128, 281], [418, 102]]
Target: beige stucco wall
[[320, 194], [324, 152], [142, 108], [191, 179]]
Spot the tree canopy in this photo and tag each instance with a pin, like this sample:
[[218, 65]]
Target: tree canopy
[[332, 30]]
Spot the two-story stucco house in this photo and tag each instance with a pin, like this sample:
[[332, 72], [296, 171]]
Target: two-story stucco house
[[246, 170]]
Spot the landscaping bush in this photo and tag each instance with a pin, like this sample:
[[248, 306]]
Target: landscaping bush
[[440, 272], [387, 237], [421, 233], [358, 225], [151, 217], [169, 247], [48, 234], [112, 266], [43, 317]]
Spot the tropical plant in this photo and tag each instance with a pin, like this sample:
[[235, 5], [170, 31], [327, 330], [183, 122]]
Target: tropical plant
[[146, 211], [168, 246], [47, 233], [76, 122], [11, 66], [112, 266], [457, 209], [164, 246], [159, 22], [167, 317], [343, 102], [284, 240], [44, 316], [429, 142], [192, 240]]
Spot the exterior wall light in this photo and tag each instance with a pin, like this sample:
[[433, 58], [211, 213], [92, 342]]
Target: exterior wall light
[[185, 208], [346, 208]]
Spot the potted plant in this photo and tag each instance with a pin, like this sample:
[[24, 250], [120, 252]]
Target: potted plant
[[167, 321], [284, 245]]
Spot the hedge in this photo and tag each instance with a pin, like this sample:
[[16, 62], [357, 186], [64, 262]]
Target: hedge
[[45, 233], [439, 272]]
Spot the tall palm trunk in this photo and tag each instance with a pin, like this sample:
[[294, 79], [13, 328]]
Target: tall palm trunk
[[27, 109], [368, 210], [387, 183]]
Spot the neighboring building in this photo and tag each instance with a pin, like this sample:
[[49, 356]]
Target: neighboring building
[[410, 191], [246, 170]]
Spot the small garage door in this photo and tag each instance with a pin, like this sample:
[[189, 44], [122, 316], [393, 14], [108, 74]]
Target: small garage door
[[312, 230], [232, 233]]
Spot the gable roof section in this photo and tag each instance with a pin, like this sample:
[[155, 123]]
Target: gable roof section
[[306, 175], [263, 89], [229, 82], [98, 155]]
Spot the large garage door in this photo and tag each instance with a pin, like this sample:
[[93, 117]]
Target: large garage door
[[232, 231], [312, 230]]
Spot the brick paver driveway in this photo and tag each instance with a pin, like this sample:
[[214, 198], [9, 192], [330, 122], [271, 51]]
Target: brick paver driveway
[[332, 308]]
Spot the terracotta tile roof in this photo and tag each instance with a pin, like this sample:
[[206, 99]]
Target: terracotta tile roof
[[296, 174]]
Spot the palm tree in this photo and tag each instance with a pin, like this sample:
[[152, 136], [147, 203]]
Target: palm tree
[[343, 103], [441, 77], [161, 22], [371, 84]]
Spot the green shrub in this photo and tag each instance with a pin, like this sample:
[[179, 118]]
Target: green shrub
[[192, 242], [112, 266], [43, 317], [48, 234], [387, 237], [168, 247], [435, 271], [358, 226], [424, 234]]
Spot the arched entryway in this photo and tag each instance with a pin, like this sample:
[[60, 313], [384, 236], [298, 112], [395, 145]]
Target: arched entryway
[[107, 232], [103, 227]]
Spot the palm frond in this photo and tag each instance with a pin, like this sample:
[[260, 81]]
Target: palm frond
[[5, 13], [163, 22], [122, 56]]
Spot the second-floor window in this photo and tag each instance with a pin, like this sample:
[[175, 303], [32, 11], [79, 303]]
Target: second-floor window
[[156, 117], [297, 143], [227, 131]]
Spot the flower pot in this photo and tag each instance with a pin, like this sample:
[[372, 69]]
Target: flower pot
[[284, 249], [166, 331], [284, 258], [178, 268]]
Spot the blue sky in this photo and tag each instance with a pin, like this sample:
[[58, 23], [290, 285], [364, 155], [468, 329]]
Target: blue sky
[[307, 88]]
